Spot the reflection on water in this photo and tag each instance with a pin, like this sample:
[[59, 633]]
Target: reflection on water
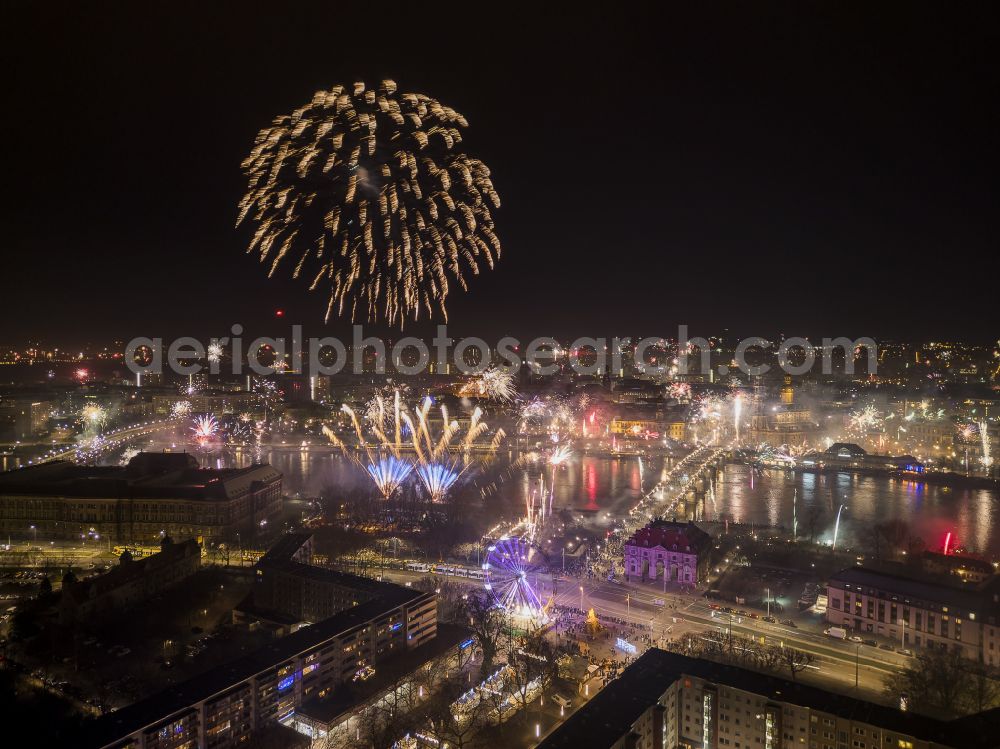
[[604, 484], [583, 483], [931, 510]]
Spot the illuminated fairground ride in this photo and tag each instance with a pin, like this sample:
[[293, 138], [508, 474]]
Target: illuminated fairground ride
[[508, 568]]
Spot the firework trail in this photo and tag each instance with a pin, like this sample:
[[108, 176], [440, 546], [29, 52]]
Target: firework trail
[[381, 407], [394, 434], [560, 456], [388, 474], [366, 193], [188, 388], [239, 431], [737, 412], [267, 393], [984, 438], [439, 478]]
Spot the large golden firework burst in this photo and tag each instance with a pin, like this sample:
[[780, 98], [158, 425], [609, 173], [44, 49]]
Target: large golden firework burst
[[368, 194]]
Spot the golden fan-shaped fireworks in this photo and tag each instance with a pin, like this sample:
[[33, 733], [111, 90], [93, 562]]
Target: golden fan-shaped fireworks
[[367, 193]]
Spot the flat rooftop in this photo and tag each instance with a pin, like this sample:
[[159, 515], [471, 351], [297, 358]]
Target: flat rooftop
[[154, 709], [147, 476], [976, 599], [345, 699]]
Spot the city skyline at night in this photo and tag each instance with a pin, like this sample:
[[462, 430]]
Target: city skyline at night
[[463, 376]]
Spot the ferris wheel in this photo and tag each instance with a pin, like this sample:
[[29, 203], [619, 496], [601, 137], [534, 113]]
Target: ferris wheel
[[509, 568]]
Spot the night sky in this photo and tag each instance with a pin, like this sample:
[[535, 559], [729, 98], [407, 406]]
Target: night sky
[[806, 168]]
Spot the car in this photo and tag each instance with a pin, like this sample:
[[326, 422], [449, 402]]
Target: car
[[856, 638], [872, 643], [907, 652], [770, 620], [789, 623], [886, 647]]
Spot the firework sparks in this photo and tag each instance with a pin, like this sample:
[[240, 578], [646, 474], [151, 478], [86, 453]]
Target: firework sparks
[[439, 478], [389, 473], [494, 383], [366, 193], [268, 395], [239, 431], [214, 352], [866, 420], [205, 428], [680, 391], [180, 409], [560, 456], [393, 431], [381, 409], [984, 438], [94, 417]]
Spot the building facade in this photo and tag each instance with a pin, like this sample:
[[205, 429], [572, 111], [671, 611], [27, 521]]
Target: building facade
[[666, 700], [205, 401], [130, 583], [918, 613], [229, 705], [156, 494], [666, 550]]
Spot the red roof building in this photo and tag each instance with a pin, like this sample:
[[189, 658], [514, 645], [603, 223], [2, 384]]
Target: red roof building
[[666, 550]]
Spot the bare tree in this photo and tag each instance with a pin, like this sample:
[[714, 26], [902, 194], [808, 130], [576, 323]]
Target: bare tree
[[982, 689], [488, 623], [896, 533], [533, 664], [934, 682], [813, 518], [796, 661], [453, 725]]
